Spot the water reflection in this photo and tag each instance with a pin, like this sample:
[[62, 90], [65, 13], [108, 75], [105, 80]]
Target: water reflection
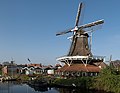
[[66, 90], [40, 89], [17, 87]]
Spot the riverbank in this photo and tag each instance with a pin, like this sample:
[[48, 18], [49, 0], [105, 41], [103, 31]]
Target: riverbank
[[107, 80]]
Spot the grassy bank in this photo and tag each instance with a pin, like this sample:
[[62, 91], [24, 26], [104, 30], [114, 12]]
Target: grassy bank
[[83, 82]]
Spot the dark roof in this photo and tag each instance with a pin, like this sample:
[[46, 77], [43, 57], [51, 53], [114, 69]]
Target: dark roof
[[115, 63], [102, 64], [58, 65]]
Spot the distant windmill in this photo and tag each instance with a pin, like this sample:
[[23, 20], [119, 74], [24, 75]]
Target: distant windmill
[[29, 60], [12, 60]]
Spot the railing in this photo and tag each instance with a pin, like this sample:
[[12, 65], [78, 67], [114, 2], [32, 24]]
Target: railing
[[80, 58], [98, 57]]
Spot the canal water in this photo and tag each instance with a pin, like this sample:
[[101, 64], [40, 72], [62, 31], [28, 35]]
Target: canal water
[[16, 87]]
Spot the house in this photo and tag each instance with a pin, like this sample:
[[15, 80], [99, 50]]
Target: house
[[31, 69], [57, 66], [1, 69], [27, 70], [115, 64], [10, 70], [47, 69], [38, 70]]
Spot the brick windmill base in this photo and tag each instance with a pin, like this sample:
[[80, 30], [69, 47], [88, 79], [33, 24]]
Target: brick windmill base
[[75, 66]]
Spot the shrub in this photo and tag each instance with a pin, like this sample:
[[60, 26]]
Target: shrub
[[107, 80], [83, 82]]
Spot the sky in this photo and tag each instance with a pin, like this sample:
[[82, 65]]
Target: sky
[[28, 28]]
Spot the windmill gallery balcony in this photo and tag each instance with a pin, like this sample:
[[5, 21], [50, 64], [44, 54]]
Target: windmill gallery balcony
[[80, 66]]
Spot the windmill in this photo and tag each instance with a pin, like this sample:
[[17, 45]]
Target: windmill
[[80, 49]]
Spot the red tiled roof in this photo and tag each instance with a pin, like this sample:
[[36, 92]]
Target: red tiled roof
[[37, 65], [79, 67]]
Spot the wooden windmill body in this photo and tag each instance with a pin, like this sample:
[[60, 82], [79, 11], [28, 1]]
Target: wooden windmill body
[[80, 45], [80, 59]]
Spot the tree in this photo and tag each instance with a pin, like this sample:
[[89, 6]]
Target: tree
[[108, 80]]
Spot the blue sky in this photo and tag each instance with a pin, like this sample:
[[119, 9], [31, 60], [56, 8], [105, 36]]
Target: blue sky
[[28, 28]]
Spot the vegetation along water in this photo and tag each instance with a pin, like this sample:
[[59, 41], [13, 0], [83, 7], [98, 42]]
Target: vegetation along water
[[107, 80]]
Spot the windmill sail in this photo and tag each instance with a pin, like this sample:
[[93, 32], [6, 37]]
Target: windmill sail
[[80, 58], [78, 14], [91, 24], [79, 45]]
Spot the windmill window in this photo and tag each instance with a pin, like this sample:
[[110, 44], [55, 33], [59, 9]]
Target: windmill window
[[62, 73], [67, 73], [96, 74], [83, 73], [91, 74], [78, 73], [86, 47]]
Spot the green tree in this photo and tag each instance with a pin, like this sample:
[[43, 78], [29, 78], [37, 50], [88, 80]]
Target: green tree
[[108, 80]]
